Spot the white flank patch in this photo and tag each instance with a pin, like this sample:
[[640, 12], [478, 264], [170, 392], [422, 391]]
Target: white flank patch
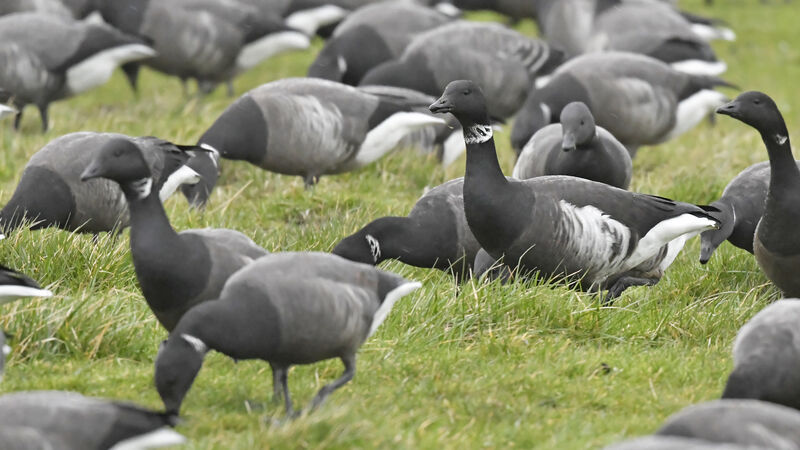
[[393, 296], [162, 437], [143, 187], [694, 109], [477, 134], [709, 33], [2, 236], [310, 20], [94, 18], [11, 292], [385, 137], [374, 247], [542, 81], [97, 69], [270, 45], [448, 9], [454, 146], [6, 350], [184, 175], [196, 343], [667, 231], [700, 67], [6, 111]]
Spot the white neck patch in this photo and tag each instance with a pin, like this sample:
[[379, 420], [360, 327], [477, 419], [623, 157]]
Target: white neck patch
[[142, 187], [374, 247], [477, 134], [780, 139], [214, 154], [196, 343], [6, 350], [342, 64]]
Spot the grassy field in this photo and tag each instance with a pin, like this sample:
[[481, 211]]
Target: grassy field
[[521, 365]]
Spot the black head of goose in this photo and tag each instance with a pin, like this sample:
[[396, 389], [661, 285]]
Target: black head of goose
[[15, 285], [766, 356], [50, 193], [71, 421], [776, 243], [45, 58], [311, 127], [287, 309], [561, 226], [434, 235], [169, 285], [638, 99], [576, 147], [741, 207]]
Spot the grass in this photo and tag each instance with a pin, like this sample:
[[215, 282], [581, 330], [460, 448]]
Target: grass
[[524, 365]]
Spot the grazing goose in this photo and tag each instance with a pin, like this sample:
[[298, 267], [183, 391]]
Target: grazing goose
[[44, 58], [576, 147], [170, 286], [311, 127], [51, 194], [387, 26], [741, 207], [500, 59], [598, 236], [749, 423], [766, 356], [776, 243], [434, 235], [71, 421], [287, 308], [15, 285], [205, 40], [638, 99]]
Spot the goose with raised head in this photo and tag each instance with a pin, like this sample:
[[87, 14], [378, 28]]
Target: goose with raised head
[[169, 285], [50, 193], [593, 235], [776, 243], [71, 421], [576, 147], [435, 234], [766, 356], [287, 309], [502, 60], [638, 99], [44, 58], [388, 26], [741, 207], [312, 127], [15, 285]]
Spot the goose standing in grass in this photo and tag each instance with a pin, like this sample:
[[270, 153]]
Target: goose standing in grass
[[387, 26], [741, 207], [15, 285], [44, 58], [160, 255], [205, 40], [287, 309], [766, 356], [597, 236], [312, 127], [776, 243], [576, 147], [502, 60], [50, 193], [638, 99], [71, 421], [435, 234]]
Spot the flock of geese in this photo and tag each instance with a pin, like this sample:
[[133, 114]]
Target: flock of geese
[[607, 77]]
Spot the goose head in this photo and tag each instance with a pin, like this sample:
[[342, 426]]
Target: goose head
[[120, 160], [464, 99], [178, 361], [577, 125], [759, 111]]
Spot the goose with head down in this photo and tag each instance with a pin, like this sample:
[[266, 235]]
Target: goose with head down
[[595, 235]]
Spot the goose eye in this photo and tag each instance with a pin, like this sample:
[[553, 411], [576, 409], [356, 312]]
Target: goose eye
[[581, 122], [757, 101], [467, 92]]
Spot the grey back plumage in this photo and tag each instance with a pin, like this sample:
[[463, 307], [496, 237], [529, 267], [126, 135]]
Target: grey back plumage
[[53, 7], [71, 421], [766, 356]]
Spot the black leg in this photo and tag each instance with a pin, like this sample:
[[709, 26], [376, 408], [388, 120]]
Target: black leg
[[18, 118], [625, 282], [349, 371], [310, 181], [45, 121], [284, 381], [277, 373]]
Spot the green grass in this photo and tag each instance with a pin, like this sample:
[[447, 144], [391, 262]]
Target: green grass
[[484, 366]]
